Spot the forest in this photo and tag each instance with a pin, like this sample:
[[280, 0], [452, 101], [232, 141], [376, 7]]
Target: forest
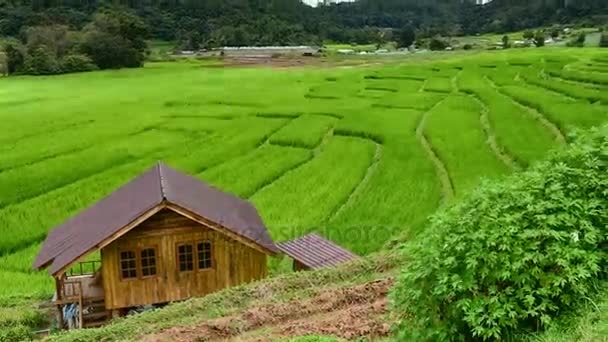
[[283, 22], [53, 36]]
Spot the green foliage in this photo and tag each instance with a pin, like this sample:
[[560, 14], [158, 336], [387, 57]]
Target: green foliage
[[505, 42], [41, 61], [578, 41], [407, 37], [19, 316], [604, 40], [115, 39], [311, 339], [438, 44], [528, 35], [17, 333], [514, 254], [77, 63], [14, 57], [539, 39]]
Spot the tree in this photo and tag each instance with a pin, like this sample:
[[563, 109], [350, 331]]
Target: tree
[[115, 39], [539, 39], [41, 61], [407, 37], [437, 44], [380, 39], [528, 35], [505, 42], [604, 40], [14, 58], [3, 64]]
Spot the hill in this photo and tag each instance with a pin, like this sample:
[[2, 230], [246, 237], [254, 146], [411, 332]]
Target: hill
[[362, 154]]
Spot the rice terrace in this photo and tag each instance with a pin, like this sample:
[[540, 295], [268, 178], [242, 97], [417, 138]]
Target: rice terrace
[[360, 150]]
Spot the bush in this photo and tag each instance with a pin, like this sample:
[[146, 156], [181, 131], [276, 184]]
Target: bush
[[512, 255], [579, 41], [539, 39], [40, 61], [467, 47], [77, 63], [438, 44], [16, 333], [110, 51], [14, 58], [604, 40]]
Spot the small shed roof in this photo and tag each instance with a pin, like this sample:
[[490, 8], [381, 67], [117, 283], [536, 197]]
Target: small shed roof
[[314, 251], [159, 186]]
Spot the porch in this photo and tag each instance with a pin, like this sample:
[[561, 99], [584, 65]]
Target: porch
[[80, 298]]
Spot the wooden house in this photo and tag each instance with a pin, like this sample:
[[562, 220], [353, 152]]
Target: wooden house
[[163, 237]]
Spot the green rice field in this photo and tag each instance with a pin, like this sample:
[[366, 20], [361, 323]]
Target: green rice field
[[360, 154]]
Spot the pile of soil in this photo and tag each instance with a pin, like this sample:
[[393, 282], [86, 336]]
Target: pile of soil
[[350, 312]]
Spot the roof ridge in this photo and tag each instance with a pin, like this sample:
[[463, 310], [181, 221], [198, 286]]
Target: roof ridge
[[161, 180]]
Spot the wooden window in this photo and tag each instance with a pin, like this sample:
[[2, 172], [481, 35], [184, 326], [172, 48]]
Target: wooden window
[[128, 265], [185, 257], [148, 262], [204, 255]]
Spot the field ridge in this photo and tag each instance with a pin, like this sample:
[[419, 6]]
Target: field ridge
[[552, 127], [440, 168]]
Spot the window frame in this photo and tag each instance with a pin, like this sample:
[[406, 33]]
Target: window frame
[[120, 260], [138, 265], [177, 254], [195, 256], [141, 266], [211, 256]]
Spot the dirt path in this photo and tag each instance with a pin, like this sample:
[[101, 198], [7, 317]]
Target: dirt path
[[351, 312]]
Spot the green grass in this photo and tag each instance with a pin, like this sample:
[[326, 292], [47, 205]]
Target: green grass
[[306, 131], [462, 147], [312, 192], [517, 132], [562, 111], [262, 167], [349, 162], [438, 84]]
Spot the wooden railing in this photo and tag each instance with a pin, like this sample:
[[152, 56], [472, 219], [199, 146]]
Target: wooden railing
[[84, 268], [71, 292]]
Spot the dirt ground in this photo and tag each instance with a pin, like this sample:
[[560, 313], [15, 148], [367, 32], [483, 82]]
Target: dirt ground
[[349, 313]]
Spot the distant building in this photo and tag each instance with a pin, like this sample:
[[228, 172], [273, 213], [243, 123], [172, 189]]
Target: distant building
[[315, 3]]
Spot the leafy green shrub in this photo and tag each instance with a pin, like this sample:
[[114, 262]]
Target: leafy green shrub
[[514, 254], [579, 41], [312, 339], [467, 47], [438, 44], [77, 63], [604, 40], [41, 61], [16, 333]]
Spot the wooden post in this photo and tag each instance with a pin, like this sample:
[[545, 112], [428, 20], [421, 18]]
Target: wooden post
[[58, 290], [80, 307]]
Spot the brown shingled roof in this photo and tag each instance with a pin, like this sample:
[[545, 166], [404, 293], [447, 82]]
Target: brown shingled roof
[[160, 185], [314, 252]]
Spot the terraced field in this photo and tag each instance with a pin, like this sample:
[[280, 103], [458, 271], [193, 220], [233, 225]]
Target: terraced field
[[362, 155]]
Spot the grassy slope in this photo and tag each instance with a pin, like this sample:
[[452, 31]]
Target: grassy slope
[[230, 301], [208, 121]]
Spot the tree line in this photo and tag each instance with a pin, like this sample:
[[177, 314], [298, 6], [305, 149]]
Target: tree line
[[52, 36]]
